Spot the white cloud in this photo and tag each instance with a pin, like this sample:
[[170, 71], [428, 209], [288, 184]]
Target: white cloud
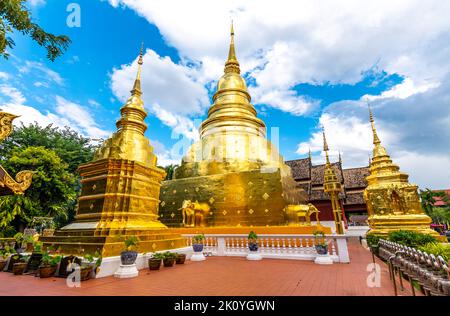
[[66, 113], [4, 75], [41, 71], [36, 3]]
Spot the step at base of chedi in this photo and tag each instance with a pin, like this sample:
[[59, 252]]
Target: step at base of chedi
[[120, 193], [233, 179], [392, 202]]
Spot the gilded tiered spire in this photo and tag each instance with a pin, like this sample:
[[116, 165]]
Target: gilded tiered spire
[[325, 147], [137, 82], [232, 65]]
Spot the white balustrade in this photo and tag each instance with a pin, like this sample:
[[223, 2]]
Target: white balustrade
[[298, 247]]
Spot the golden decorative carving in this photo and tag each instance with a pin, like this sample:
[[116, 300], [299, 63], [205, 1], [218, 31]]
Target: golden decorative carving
[[300, 214], [6, 126]]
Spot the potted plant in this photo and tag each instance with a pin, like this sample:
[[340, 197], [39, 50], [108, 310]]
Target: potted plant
[[4, 256], [90, 267], [320, 242], [169, 259], [20, 266], [48, 265], [19, 242], [253, 241], [197, 242], [128, 257], [181, 258], [28, 241], [154, 263]]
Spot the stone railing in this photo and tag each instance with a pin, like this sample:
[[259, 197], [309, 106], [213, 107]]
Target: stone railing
[[297, 247]]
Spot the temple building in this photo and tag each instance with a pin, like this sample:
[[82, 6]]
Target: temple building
[[233, 176], [310, 178]]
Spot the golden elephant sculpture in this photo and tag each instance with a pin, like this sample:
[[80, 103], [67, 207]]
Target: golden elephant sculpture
[[300, 214], [194, 213]]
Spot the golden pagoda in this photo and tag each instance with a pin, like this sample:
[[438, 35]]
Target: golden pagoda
[[22, 181], [120, 191], [333, 188], [233, 176], [392, 202]]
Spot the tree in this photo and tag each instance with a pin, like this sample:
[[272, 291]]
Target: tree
[[71, 147], [51, 192], [15, 15], [170, 169], [427, 198]]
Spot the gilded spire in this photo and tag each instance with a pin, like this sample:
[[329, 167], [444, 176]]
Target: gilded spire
[[309, 154], [376, 140], [325, 146], [340, 158], [232, 65], [137, 83]]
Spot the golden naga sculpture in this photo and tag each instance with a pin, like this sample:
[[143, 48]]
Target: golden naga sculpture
[[233, 167], [120, 191], [300, 214], [22, 181], [194, 213], [392, 202], [332, 187]]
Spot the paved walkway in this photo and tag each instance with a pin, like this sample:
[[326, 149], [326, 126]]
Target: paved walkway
[[224, 276]]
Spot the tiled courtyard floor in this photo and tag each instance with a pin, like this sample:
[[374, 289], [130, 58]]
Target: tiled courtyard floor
[[224, 276]]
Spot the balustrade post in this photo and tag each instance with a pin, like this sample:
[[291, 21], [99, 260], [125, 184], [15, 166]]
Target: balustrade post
[[342, 250], [220, 246]]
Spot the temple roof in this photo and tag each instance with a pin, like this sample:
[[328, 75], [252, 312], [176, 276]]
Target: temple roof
[[355, 177], [300, 168]]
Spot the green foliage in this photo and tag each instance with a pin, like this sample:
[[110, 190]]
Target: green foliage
[[50, 260], [158, 256], [252, 236], [410, 238], [19, 238], [14, 15], [6, 252], [372, 240], [198, 239], [170, 170], [436, 249], [319, 238], [37, 246], [131, 242], [51, 192], [437, 214], [169, 255], [97, 257]]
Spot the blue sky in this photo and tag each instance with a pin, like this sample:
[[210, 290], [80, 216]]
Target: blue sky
[[304, 71]]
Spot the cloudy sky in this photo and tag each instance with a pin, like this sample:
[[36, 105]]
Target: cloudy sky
[[307, 64]]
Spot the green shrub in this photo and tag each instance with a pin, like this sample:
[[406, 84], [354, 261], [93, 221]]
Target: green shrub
[[436, 249], [372, 240], [410, 238]]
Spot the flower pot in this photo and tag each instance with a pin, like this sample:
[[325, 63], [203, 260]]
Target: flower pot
[[253, 246], [86, 272], [19, 268], [197, 247], [47, 271], [3, 264], [181, 258], [128, 257], [168, 262], [322, 249], [154, 264], [29, 247]]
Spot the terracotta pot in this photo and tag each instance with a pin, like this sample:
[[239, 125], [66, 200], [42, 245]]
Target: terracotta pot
[[154, 264], [19, 268], [169, 262], [181, 258], [128, 257], [86, 272], [2, 264], [47, 271]]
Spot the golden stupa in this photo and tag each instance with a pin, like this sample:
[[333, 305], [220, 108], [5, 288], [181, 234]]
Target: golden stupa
[[233, 176], [120, 191], [392, 202]]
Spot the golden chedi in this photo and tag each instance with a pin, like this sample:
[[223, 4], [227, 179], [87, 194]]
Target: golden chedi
[[392, 202], [233, 176], [120, 191]]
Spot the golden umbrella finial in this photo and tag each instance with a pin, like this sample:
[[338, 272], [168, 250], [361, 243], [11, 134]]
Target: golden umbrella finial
[[137, 83]]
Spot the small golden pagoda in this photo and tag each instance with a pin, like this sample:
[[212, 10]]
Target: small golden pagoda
[[333, 188], [120, 190], [233, 176], [22, 181], [392, 202]]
